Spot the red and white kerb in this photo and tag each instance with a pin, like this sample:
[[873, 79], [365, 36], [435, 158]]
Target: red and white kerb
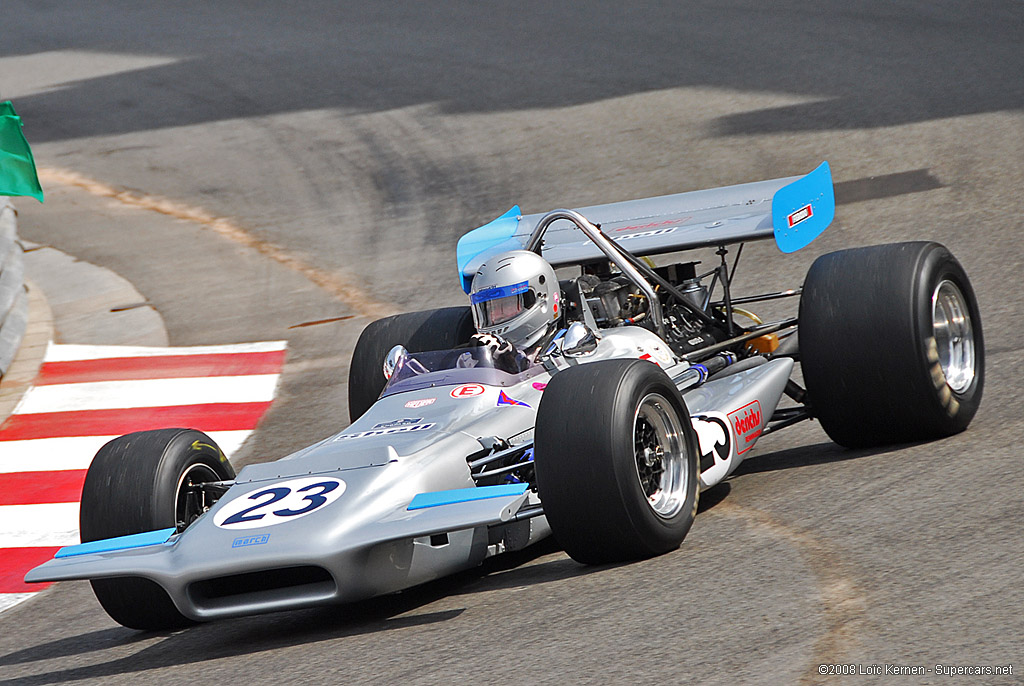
[[87, 395]]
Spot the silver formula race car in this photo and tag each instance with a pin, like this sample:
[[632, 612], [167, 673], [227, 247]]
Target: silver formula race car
[[654, 384]]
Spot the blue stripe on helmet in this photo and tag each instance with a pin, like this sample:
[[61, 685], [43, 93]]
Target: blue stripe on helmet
[[499, 292]]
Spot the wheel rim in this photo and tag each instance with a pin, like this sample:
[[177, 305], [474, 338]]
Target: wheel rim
[[189, 501], [660, 450], [954, 336]]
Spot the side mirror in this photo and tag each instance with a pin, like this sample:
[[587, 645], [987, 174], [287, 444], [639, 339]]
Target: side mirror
[[579, 339], [394, 359]]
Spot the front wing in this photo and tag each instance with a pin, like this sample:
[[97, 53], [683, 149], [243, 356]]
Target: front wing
[[211, 573]]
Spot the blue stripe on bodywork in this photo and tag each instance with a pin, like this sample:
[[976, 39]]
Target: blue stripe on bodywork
[[108, 545], [815, 191], [464, 495], [486, 238]]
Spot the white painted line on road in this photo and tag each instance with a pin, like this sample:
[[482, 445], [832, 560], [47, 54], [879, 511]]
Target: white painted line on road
[[109, 395], [33, 526], [64, 352], [9, 600], [49, 454], [76, 452]]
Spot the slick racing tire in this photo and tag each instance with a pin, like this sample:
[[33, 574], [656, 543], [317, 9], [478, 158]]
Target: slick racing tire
[[616, 461], [144, 482], [891, 344], [441, 329]]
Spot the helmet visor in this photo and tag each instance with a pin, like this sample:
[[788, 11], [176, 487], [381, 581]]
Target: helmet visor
[[495, 306]]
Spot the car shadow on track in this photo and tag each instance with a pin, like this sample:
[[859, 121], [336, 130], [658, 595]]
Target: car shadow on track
[[713, 496], [75, 645], [808, 455], [217, 640], [264, 633]]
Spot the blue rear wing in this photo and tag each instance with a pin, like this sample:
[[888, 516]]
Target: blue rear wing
[[793, 210], [802, 210]]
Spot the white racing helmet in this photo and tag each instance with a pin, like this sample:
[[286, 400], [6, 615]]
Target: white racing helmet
[[515, 296]]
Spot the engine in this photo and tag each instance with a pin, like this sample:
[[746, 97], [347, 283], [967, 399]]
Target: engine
[[616, 301]]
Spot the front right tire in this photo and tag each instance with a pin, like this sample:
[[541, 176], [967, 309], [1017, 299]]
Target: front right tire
[[616, 461]]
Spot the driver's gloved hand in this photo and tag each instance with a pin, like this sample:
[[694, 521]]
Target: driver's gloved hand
[[498, 346]]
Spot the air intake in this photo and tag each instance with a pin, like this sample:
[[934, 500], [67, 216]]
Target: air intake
[[285, 585]]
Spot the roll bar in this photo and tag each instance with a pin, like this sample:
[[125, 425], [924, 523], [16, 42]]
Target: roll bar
[[608, 248]]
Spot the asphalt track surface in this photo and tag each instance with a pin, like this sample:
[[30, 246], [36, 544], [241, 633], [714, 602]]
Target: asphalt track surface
[[348, 145]]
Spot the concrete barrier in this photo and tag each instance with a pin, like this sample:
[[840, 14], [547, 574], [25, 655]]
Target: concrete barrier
[[13, 295]]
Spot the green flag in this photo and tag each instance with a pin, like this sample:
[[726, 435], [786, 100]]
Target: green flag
[[17, 168]]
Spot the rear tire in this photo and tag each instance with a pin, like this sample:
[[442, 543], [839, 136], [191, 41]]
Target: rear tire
[[616, 461], [139, 482], [891, 344], [440, 329]]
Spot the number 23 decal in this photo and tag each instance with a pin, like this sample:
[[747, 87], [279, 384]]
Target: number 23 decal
[[279, 503]]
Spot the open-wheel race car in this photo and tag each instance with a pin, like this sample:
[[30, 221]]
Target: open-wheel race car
[[637, 387]]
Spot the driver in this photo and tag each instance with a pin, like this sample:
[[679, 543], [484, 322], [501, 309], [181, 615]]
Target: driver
[[516, 308]]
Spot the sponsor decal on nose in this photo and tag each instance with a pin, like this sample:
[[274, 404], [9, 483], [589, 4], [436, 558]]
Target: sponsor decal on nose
[[405, 421], [468, 390], [504, 399], [250, 540], [383, 432], [422, 402]]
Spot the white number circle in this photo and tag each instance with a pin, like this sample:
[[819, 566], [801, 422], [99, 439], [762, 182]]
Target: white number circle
[[280, 502]]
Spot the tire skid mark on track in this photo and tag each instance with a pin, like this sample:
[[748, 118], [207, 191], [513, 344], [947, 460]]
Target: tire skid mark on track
[[844, 603], [336, 285], [86, 395]]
